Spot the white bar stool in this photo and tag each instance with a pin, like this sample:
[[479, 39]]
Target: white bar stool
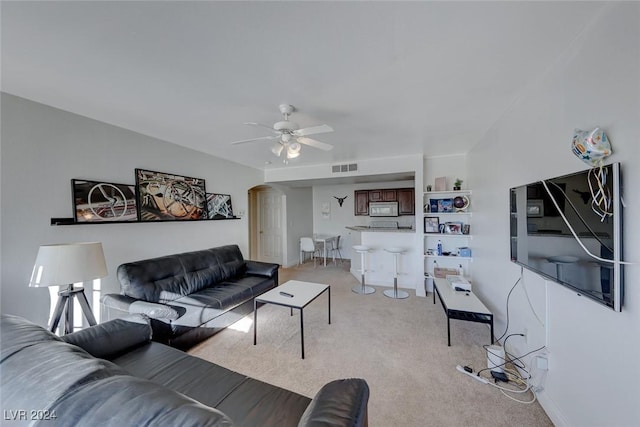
[[362, 289], [395, 293]]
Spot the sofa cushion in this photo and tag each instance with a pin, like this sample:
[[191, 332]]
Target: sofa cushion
[[231, 260], [257, 404], [257, 284], [155, 280], [168, 278], [202, 306], [123, 400], [181, 372], [42, 372], [246, 401]]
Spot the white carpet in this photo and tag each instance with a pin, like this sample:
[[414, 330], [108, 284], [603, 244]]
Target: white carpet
[[398, 346]]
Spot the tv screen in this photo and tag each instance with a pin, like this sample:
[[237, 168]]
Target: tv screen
[[569, 229]]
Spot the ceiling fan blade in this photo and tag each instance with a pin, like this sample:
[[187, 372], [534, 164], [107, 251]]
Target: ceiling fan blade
[[313, 130], [256, 139], [316, 144], [261, 125]]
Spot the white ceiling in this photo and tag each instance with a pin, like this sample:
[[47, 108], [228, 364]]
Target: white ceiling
[[392, 78]]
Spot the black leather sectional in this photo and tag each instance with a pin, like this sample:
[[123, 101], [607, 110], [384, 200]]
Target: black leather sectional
[[193, 295], [112, 374]]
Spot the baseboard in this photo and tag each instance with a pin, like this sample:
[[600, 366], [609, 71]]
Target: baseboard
[[548, 405], [552, 410]]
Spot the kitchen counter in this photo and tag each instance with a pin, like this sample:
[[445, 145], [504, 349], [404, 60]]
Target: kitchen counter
[[380, 262], [365, 228]]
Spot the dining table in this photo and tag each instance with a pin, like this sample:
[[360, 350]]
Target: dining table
[[325, 239]]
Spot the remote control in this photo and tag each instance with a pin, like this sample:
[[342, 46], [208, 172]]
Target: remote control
[[285, 294]]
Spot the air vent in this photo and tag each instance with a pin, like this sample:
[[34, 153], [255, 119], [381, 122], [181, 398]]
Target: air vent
[[344, 168]]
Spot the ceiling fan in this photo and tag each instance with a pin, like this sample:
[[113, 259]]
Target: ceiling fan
[[289, 136]]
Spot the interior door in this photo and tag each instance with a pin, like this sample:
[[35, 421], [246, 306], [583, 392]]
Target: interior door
[[270, 225]]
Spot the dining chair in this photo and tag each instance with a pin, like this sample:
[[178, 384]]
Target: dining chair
[[308, 246], [335, 249]]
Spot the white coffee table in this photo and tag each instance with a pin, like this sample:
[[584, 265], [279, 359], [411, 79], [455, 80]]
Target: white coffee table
[[461, 306], [303, 293]]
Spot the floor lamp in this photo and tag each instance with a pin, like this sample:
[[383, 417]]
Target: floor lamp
[[64, 265]]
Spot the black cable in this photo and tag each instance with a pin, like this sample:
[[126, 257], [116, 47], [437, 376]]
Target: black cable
[[519, 358], [509, 296], [486, 347]]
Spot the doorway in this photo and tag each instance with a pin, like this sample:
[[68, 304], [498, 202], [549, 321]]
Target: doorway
[[267, 232]]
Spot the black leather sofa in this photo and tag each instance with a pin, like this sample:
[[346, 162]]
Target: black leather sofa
[[112, 374], [193, 295]]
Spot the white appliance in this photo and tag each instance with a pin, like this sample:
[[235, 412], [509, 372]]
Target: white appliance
[[458, 283], [383, 208], [495, 358]]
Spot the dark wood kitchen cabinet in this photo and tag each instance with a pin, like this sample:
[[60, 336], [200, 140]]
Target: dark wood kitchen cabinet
[[361, 204], [386, 195], [404, 196], [406, 201], [389, 195]]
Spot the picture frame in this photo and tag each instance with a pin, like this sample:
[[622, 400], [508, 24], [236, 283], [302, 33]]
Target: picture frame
[[441, 183], [163, 196], [466, 228], [453, 228], [433, 205], [100, 202], [445, 205], [219, 206], [431, 224]]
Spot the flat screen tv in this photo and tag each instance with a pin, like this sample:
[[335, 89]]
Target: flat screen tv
[[543, 242]]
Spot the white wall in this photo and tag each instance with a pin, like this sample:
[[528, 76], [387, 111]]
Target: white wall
[[299, 220], [44, 148], [450, 167], [593, 377]]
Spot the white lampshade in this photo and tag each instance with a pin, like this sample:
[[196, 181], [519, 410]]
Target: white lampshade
[[65, 264], [277, 149], [293, 150]]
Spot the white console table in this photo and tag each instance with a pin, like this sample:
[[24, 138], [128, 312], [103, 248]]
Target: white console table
[[460, 305]]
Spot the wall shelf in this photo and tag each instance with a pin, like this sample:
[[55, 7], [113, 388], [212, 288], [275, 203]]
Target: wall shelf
[[447, 213], [458, 236], [466, 258], [71, 221], [450, 241], [437, 193]]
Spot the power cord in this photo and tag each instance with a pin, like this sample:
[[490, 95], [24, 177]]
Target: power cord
[[515, 375], [509, 296], [575, 235]]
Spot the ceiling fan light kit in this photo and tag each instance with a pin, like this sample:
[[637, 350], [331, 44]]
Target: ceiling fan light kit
[[293, 150], [277, 149], [290, 136]]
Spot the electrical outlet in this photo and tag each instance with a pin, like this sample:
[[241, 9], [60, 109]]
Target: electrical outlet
[[525, 336], [542, 363]]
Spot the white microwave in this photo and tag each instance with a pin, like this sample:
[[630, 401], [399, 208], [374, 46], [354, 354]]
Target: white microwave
[[383, 208]]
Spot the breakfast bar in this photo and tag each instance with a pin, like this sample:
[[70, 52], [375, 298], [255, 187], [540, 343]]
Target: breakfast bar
[[380, 263]]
